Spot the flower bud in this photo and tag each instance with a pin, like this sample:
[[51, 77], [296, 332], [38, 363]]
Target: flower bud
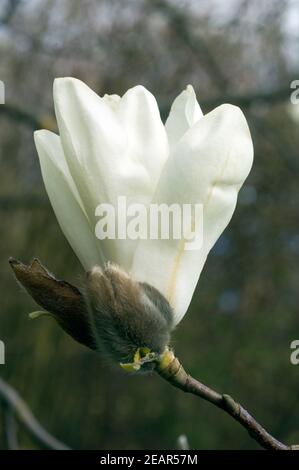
[[127, 321], [126, 315]]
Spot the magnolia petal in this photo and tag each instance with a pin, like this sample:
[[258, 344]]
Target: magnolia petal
[[184, 113], [208, 166], [65, 199], [92, 140], [96, 150], [147, 140]]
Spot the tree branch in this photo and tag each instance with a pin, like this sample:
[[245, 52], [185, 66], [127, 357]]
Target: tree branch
[[10, 428], [9, 12], [195, 43], [245, 100], [23, 202], [18, 114], [171, 370], [10, 398]]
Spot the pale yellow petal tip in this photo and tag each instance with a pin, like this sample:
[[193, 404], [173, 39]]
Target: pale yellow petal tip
[[34, 315], [130, 367], [190, 89]]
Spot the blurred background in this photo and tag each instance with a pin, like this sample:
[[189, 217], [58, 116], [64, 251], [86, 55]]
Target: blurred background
[[236, 336]]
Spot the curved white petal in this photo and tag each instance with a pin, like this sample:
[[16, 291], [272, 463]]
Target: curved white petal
[[147, 140], [65, 199], [184, 113], [208, 166], [96, 149], [91, 137]]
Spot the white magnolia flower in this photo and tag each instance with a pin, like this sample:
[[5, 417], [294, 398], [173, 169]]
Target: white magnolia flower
[[111, 146]]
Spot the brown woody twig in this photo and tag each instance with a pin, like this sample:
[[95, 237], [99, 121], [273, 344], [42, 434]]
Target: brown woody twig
[[171, 370]]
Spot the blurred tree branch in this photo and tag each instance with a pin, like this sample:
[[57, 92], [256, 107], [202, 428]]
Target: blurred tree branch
[[196, 44], [11, 400], [9, 11], [269, 97], [28, 201], [10, 428], [244, 101], [19, 115]]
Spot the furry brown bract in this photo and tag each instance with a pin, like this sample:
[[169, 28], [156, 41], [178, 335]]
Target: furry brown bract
[[125, 314], [113, 314], [63, 300]]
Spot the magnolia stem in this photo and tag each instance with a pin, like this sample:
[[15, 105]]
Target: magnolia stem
[[171, 370]]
